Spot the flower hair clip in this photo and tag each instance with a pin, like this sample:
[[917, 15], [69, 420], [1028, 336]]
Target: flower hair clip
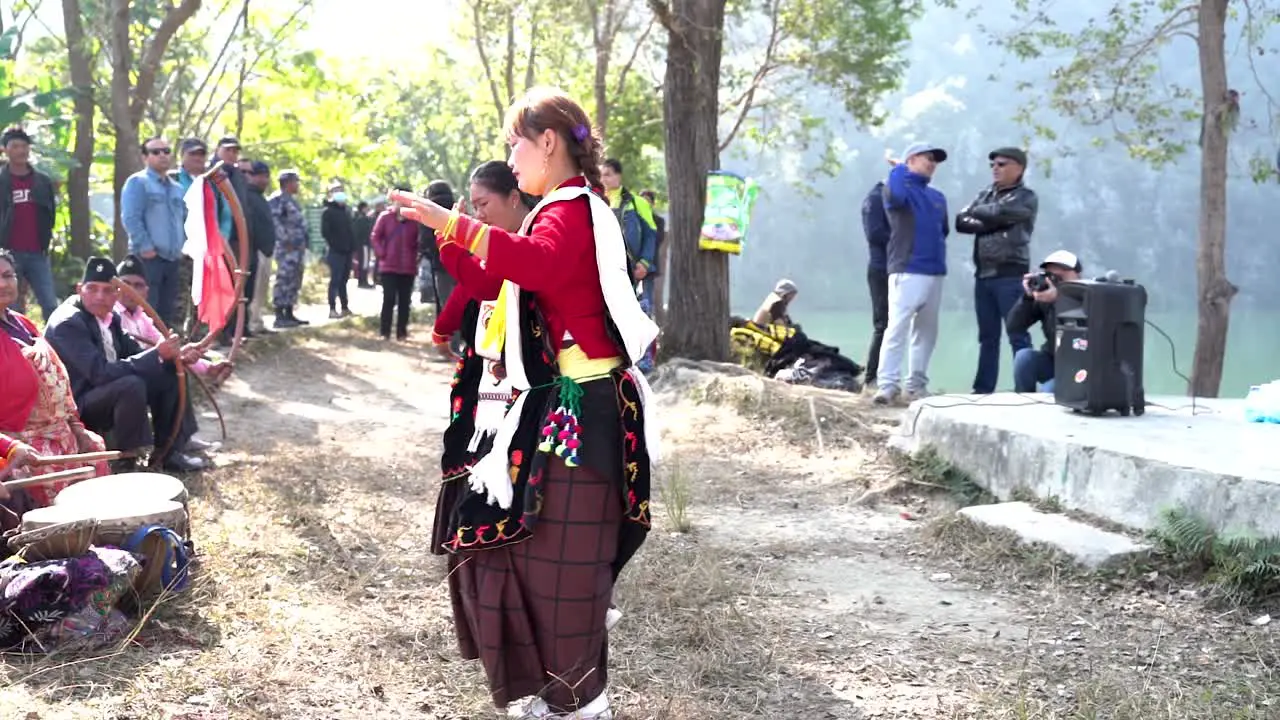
[[581, 133]]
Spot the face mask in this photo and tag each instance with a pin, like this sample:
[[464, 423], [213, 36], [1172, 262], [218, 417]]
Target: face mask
[[340, 197]]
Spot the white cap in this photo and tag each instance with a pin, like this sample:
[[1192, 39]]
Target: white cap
[[1063, 258]]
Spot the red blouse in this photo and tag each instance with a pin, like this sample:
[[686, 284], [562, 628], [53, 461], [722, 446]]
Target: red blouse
[[557, 262], [474, 283], [19, 384]]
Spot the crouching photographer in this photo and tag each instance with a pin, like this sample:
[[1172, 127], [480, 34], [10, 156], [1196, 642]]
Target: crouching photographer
[[1033, 367]]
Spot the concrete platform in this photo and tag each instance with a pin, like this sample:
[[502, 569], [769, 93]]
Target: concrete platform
[[1090, 546], [1124, 469]]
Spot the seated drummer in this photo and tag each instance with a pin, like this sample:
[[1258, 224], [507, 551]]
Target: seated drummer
[[114, 380], [139, 326]]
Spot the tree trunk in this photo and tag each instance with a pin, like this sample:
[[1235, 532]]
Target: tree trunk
[[698, 326], [78, 176], [244, 70], [127, 156], [1215, 291]]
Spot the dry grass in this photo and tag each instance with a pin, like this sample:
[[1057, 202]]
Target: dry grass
[[763, 591]]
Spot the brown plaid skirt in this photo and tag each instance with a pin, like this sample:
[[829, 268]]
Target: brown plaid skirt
[[533, 612]]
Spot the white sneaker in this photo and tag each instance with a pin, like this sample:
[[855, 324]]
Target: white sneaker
[[611, 618], [530, 708]]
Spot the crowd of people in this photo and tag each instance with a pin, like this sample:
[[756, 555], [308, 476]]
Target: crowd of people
[[907, 224]]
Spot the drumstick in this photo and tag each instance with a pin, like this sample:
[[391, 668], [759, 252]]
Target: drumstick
[[89, 457], [76, 474]]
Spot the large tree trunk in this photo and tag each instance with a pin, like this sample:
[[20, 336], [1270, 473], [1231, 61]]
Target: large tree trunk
[[1215, 291], [78, 177], [698, 323], [127, 156]]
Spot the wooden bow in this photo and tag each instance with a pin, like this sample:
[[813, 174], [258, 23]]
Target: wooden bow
[[178, 365], [239, 264]]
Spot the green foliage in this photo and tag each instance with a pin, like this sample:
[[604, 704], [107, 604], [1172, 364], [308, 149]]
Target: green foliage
[[1241, 569], [1113, 73], [928, 468]]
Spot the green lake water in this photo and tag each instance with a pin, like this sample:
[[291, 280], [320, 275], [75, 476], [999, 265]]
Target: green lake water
[[1253, 348]]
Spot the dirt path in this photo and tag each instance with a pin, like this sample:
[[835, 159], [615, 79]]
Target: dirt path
[[316, 597]]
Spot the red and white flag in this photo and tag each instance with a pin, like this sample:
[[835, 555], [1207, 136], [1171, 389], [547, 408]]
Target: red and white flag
[[213, 289]]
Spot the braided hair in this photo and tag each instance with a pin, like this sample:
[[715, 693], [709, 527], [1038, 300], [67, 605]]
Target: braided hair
[[543, 109]]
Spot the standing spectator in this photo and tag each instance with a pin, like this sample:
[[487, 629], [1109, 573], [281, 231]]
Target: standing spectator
[[639, 231], [441, 193], [27, 207], [917, 265], [875, 226], [362, 226], [292, 239], [335, 228], [152, 210], [228, 152], [193, 154], [1001, 219], [395, 245], [262, 231], [662, 255]]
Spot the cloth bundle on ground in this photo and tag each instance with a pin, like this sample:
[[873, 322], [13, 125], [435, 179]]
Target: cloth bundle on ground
[[67, 603], [802, 361]]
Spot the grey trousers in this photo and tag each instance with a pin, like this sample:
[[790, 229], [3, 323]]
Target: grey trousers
[[915, 302]]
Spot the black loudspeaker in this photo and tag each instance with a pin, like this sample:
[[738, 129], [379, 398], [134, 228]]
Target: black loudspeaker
[[1097, 363]]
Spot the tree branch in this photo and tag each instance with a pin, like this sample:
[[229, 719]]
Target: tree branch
[[185, 118], [747, 100], [662, 12], [478, 26], [635, 52], [511, 56], [154, 53]]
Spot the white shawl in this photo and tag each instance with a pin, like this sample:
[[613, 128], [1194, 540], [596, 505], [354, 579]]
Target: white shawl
[[638, 332]]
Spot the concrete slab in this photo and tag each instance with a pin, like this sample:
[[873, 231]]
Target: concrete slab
[[1124, 469], [1090, 546]]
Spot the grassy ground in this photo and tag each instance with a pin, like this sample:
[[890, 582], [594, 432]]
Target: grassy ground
[[771, 586]]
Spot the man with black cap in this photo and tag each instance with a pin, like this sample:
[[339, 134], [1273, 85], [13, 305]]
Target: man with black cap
[[916, 260], [114, 380], [1033, 367], [292, 239], [262, 231], [335, 228], [28, 204], [1001, 219]]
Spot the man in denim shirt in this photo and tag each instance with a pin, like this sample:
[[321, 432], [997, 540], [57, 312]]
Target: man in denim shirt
[[152, 209]]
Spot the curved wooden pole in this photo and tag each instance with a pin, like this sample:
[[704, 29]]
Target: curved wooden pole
[[178, 365], [208, 393], [240, 263]]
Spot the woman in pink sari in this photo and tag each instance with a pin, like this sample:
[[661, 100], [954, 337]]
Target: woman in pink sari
[[36, 406]]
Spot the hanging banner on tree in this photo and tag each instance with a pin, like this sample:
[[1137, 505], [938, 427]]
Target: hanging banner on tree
[[730, 199]]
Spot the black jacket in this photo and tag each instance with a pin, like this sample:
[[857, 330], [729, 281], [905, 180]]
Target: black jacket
[[46, 206], [335, 228], [1027, 312], [362, 228], [1002, 221], [258, 220], [74, 334]]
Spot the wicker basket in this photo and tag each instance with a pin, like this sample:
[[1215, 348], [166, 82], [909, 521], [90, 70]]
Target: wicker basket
[[54, 542]]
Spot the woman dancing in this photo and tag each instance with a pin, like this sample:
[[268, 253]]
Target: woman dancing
[[479, 397], [541, 523]]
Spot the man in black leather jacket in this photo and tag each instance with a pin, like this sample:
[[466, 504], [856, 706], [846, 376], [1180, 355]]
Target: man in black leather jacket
[[1001, 219]]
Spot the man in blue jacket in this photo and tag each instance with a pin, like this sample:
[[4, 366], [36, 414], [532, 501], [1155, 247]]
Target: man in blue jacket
[[916, 258], [152, 210], [875, 225]]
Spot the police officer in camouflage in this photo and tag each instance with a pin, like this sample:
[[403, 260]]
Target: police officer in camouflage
[[292, 240]]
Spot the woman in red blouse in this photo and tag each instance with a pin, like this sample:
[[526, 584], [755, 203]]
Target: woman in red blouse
[[563, 498]]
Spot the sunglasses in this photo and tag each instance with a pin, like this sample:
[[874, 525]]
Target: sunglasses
[[1000, 163], [158, 151]]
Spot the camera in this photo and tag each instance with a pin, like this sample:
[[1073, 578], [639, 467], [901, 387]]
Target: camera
[[1042, 281]]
